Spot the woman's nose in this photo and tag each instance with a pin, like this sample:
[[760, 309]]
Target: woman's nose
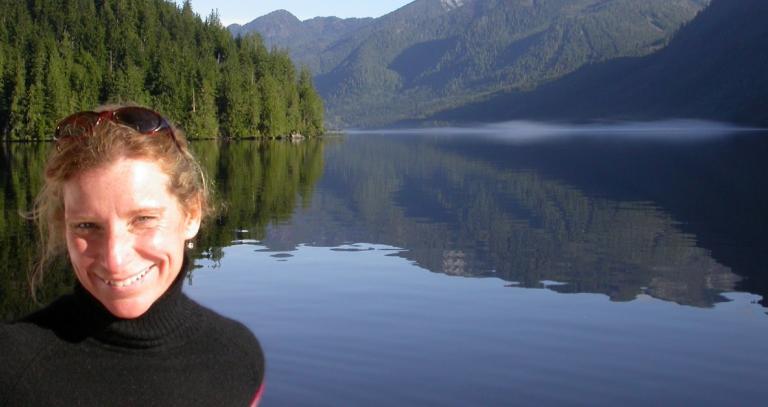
[[118, 246]]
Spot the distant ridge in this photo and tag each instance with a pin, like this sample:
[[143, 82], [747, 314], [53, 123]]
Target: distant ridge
[[431, 55], [715, 68], [304, 39], [278, 24]]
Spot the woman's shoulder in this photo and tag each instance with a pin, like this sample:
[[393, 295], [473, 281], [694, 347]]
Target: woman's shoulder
[[33, 329], [232, 346], [227, 330], [18, 340], [36, 327], [22, 342]]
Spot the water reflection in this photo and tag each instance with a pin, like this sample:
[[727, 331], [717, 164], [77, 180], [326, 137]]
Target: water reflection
[[20, 177], [256, 183], [712, 187], [679, 221], [352, 322], [590, 214]]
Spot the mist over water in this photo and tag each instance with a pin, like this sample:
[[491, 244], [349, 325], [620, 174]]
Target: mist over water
[[521, 131]]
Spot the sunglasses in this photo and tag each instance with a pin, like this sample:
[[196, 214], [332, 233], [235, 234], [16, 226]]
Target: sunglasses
[[143, 120]]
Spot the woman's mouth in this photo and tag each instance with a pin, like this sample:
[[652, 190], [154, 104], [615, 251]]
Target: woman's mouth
[[130, 280]]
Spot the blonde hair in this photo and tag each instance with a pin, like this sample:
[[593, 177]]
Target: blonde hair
[[107, 143]]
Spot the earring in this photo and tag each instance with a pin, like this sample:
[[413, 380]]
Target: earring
[[190, 244]]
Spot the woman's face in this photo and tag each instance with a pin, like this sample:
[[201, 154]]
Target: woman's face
[[125, 234]]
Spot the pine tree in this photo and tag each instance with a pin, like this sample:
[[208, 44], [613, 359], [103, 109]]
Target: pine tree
[[57, 97], [310, 105], [35, 121], [231, 101], [17, 100], [202, 117], [273, 115]]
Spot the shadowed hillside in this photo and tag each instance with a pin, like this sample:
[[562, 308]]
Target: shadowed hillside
[[715, 68]]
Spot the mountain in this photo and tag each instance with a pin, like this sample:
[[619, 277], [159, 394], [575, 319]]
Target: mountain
[[435, 54], [714, 68], [302, 38]]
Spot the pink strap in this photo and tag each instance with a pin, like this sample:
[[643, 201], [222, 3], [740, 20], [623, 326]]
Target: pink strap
[[257, 397]]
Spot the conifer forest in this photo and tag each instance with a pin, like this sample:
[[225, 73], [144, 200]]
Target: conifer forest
[[59, 57]]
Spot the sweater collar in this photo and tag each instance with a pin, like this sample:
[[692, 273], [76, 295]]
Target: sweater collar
[[166, 323]]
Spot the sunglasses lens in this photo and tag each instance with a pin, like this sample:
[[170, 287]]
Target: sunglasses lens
[[142, 120], [76, 125]]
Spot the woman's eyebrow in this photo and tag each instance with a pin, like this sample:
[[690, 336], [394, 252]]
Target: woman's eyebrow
[[76, 214], [145, 210], [80, 215]]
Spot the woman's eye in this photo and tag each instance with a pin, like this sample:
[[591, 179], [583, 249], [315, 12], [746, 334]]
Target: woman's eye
[[83, 228], [145, 220]]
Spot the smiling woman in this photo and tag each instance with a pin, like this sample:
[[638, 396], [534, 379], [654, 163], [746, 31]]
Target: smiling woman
[[122, 197]]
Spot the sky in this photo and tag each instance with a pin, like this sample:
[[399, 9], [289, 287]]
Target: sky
[[244, 11]]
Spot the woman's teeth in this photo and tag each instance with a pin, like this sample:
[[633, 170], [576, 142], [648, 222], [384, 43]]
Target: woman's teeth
[[128, 281]]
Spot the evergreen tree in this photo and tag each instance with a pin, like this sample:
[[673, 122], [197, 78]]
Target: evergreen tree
[[232, 100], [57, 98], [18, 90], [310, 105], [35, 122], [202, 117], [273, 115], [3, 81]]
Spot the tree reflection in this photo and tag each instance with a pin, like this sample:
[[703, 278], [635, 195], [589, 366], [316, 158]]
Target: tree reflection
[[605, 223], [20, 179], [257, 183], [461, 214]]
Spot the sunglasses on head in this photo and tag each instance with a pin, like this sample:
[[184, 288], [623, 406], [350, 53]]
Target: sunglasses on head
[[143, 120]]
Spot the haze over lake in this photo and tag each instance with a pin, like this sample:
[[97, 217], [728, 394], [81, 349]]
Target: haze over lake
[[516, 263]]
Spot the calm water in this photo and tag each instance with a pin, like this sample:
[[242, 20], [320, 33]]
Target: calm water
[[495, 267]]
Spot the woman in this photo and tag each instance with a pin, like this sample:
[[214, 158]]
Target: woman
[[122, 197]]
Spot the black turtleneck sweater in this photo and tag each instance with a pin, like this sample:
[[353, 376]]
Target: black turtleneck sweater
[[179, 353]]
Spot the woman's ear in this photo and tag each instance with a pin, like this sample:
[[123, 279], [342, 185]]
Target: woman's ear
[[194, 218]]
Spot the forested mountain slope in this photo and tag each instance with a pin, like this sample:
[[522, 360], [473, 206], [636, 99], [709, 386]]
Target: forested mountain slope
[[61, 56], [715, 68], [434, 54]]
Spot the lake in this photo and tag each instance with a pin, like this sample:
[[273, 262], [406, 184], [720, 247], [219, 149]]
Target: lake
[[517, 264]]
